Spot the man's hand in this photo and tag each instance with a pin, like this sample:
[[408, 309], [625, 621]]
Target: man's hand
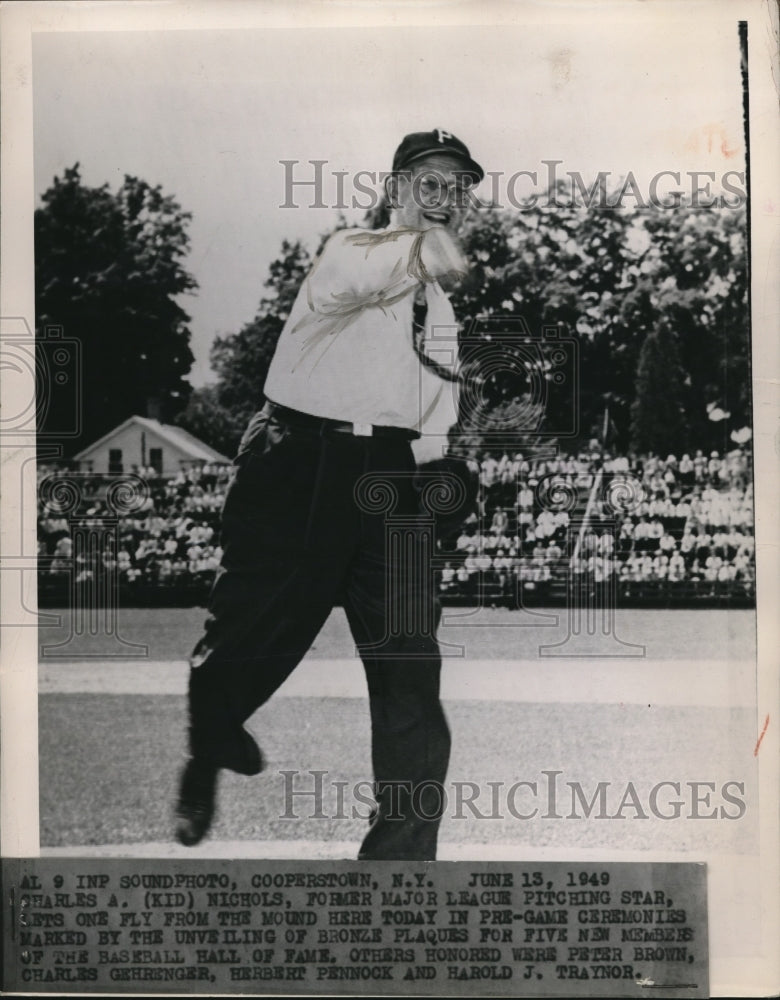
[[442, 258]]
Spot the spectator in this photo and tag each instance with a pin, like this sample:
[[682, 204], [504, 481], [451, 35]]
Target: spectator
[[691, 511], [447, 581], [63, 557]]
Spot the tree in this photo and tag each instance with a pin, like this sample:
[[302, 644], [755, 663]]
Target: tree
[[599, 279], [699, 285], [210, 421], [606, 278], [658, 420], [554, 270], [219, 413], [108, 272]]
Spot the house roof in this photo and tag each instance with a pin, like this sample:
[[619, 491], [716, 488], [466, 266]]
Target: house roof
[[192, 447]]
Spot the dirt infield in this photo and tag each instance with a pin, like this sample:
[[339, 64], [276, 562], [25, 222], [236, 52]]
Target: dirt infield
[[481, 634]]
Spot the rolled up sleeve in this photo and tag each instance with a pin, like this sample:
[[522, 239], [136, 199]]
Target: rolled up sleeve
[[360, 268]]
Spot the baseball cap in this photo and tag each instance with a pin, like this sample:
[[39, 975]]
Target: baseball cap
[[417, 145]]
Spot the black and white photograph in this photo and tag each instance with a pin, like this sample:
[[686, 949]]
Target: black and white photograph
[[389, 451]]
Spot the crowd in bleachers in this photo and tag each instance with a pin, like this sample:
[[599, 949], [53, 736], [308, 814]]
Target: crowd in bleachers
[[170, 537], [592, 520], [589, 520]]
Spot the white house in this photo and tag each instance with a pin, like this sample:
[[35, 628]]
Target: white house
[[143, 442]]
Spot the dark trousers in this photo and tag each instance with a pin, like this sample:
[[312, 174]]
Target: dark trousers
[[304, 527]]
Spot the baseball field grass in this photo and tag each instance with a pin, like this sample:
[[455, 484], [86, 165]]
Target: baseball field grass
[[109, 760]]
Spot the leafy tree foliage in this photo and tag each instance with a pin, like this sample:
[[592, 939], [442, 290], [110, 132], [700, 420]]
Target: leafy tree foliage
[[607, 278], [616, 287], [698, 271], [206, 418], [108, 271], [658, 422], [219, 413]]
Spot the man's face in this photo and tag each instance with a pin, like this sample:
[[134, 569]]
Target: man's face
[[432, 192]]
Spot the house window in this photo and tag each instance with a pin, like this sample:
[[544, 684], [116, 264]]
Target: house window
[[115, 461], [156, 460]]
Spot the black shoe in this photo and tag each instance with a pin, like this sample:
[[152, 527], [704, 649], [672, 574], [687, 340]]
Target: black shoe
[[244, 756], [236, 751], [195, 808]]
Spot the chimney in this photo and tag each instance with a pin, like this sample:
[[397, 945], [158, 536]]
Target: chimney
[[154, 407]]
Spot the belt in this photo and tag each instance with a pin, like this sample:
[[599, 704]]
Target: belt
[[322, 425]]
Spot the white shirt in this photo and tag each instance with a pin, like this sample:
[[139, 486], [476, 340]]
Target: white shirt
[[346, 350]]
